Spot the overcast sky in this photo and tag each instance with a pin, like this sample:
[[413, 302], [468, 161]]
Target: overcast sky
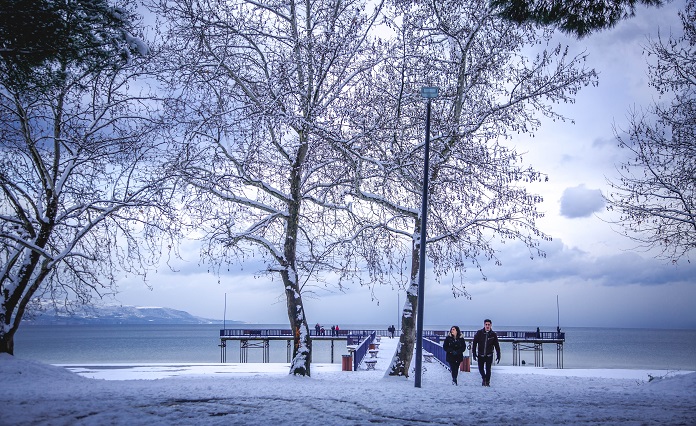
[[594, 273]]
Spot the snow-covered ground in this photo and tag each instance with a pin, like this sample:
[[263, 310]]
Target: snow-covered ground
[[33, 393]]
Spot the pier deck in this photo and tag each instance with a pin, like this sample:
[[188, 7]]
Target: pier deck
[[260, 338]]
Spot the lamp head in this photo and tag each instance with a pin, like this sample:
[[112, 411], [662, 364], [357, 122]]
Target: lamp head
[[429, 92]]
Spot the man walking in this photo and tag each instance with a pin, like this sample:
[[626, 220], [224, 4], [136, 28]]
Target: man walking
[[485, 341]]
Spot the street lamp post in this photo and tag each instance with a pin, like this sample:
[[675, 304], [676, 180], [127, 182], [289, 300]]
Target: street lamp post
[[428, 93]]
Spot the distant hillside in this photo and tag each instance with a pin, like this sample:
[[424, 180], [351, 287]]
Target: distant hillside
[[119, 314]]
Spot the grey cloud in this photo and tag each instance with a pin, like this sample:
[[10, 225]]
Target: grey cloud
[[581, 202], [632, 268], [561, 262], [602, 143]]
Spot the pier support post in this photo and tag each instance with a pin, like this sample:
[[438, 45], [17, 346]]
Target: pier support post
[[559, 355], [223, 351]]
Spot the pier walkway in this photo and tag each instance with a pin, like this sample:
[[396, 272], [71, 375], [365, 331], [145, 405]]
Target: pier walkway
[[260, 339]]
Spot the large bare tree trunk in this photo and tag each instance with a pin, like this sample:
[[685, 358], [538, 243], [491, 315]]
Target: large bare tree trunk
[[302, 351], [401, 362], [302, 348]]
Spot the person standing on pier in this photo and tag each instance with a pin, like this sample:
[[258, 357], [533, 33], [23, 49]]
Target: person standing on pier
[[454, 348], [485, 341]]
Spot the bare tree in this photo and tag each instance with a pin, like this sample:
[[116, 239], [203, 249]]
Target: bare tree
[[490, 90], [82, 188], [656, 191], [265, 89]]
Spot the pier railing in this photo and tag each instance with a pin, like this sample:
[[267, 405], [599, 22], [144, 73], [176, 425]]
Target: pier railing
[[280, 332], [503, 336], [359, 335], [361, 350], [436, 350]]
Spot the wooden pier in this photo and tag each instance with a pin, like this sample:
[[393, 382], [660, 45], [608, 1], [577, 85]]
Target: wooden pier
[[522, 341], [260, 339]]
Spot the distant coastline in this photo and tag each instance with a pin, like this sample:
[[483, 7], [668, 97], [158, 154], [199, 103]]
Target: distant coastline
[[119, 314]]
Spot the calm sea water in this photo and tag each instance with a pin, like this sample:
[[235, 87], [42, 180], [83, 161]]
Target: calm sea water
[[584, 347]]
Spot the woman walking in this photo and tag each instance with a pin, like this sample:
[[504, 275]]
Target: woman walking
[[454, 348]]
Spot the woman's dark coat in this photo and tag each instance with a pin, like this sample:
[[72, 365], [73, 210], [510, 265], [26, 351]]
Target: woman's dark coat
[[454, 347]]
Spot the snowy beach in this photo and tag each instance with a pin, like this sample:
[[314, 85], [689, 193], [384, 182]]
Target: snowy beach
[[261, 394]]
